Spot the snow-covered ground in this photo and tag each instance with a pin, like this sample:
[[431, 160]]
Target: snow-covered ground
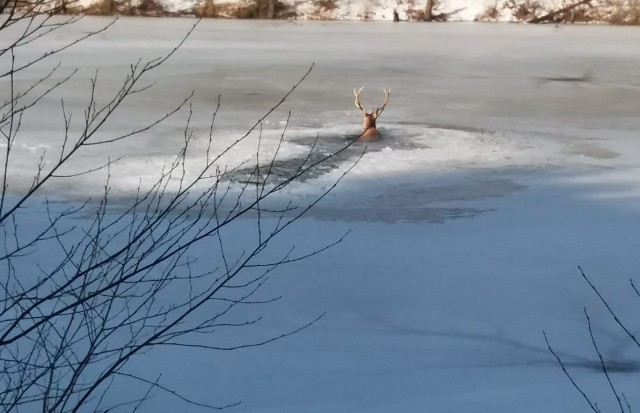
[[382, 10], [510, 157]]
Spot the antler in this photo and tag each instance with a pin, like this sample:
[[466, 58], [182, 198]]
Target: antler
[[369, 131], [384, 104], [358, 104]]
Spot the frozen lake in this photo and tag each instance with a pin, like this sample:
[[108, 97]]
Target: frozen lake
[[520, 142], [484, 97]]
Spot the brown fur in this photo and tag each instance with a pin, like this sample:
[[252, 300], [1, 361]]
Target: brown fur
[[369, 131]]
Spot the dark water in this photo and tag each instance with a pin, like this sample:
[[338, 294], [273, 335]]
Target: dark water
[[325, 153]]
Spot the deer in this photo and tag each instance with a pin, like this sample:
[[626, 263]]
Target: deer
[[369, 131]]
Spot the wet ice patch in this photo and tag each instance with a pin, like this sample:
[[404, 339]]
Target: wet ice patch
[[591, 150], [420, 201], [415, 173]]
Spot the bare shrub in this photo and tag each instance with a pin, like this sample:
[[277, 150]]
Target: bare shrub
[[566, 13], [533, 11], [490, 14], [366, 13], [150, 8], [67, 7], [18, 6], [38, 7], [206, 8], [126, 8], [622, 12], [428, 13], [411, 9], [323, 9], [415, 12], [101, 8], [524, 10], [423, 14], [581, 14], [263, 9], [415, 15]]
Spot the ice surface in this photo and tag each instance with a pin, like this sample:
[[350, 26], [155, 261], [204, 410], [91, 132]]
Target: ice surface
[[520, 142]]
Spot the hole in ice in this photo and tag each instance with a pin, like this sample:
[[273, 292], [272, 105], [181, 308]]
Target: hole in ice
[[393, 139]]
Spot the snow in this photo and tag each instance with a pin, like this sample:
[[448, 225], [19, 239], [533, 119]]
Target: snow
[[498, 175]]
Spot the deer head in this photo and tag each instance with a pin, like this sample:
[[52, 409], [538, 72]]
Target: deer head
[[369, 131]]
